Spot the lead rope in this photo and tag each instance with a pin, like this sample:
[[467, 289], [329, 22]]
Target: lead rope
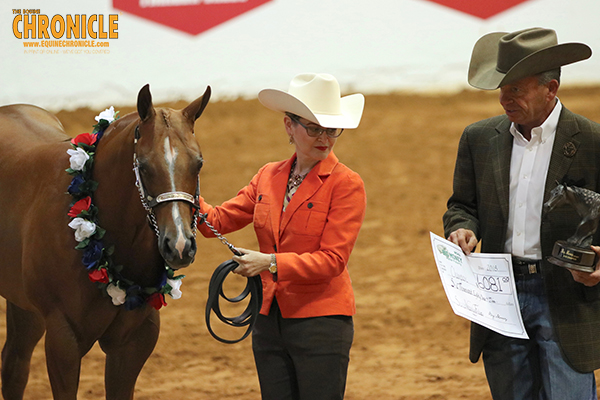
[[215, 291]]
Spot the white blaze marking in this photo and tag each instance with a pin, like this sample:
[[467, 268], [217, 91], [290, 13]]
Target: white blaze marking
[[170, 158]]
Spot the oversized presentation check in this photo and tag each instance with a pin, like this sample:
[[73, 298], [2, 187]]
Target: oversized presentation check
[[480, 287]]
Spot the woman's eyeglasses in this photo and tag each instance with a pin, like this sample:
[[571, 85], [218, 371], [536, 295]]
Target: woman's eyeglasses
[[316, 131]]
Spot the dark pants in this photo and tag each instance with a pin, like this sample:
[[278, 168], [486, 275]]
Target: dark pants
[[302, 358]]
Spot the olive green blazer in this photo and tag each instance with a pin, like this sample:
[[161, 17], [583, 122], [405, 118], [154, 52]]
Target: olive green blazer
[[480, 202]]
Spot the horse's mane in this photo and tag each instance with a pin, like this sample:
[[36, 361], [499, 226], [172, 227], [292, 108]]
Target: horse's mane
[[120, 124], [588, 196]]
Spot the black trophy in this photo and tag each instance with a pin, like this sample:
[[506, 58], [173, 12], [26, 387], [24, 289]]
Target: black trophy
[[575, 252]]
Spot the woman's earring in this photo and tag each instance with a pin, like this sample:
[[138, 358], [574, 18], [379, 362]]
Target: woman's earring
[[291, 139]]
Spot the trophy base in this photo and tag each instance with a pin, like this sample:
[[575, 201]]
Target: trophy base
[[568, 256]]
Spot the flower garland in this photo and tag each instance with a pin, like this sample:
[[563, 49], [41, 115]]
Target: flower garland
[[97, 258]]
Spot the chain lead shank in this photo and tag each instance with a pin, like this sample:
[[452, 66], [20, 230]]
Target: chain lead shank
[[222, 238]]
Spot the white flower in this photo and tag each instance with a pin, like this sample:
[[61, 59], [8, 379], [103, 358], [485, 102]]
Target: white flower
[[175, 285], [83, 228], [116, 293], [108, 114], [78, 158]]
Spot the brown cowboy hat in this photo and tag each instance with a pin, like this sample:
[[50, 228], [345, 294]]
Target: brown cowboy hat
[[500, 58]]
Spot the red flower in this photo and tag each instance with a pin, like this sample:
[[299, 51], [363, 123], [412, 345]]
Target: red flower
[[98, 275], [85, 138], [81, 205], [157, 300]]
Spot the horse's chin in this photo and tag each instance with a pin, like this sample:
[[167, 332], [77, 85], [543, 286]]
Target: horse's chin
[[180, 263]]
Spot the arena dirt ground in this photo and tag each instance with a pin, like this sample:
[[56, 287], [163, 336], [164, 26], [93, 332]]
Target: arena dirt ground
[[408, 343]]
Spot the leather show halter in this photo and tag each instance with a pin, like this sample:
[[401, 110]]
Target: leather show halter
[[149, 201]]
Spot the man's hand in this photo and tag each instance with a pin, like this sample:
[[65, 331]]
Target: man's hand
[[466, 239], [588, 278]]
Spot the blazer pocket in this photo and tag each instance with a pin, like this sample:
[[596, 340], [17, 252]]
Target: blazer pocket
[[262, 208], [310, 218]]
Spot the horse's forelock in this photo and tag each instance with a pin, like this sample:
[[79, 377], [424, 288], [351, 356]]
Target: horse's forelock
[[166, 118]]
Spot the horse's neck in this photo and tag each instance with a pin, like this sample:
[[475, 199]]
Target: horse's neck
[[114, 160]]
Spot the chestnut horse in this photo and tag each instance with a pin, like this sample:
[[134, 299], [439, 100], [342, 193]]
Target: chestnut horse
[[46, 286]]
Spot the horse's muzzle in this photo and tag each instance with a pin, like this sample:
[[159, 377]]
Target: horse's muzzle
[[179, 252]]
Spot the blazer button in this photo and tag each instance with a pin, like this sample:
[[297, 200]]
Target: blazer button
[[310, 205], [260, 197]]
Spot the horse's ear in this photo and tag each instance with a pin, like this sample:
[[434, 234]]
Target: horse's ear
[[196, 107], [144, 103]]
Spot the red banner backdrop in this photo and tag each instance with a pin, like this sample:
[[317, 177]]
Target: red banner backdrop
[[191, 16], [480, 8]]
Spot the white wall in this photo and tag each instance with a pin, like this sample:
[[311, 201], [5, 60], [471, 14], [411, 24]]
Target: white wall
[[374, 46]]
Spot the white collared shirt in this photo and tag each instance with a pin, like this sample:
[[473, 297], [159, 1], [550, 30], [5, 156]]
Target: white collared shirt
[[528, 170]]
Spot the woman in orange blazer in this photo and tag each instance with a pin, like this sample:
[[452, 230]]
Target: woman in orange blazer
[[307, 212]]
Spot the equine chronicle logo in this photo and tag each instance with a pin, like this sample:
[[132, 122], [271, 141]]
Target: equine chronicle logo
[[69, 32]]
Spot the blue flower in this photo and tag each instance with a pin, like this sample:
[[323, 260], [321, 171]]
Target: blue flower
[[93, 253], [134, 298], [74, 186], [163, 281]]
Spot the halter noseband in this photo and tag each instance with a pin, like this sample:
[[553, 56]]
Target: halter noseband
[[149, 202]]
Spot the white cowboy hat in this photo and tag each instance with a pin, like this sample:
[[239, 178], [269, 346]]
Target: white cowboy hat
[[316, 97], [501, 58]]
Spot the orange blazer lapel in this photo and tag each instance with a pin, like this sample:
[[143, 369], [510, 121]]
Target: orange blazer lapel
[[278, 185]]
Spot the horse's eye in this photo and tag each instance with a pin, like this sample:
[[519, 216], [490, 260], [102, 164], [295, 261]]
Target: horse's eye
[[200, 163], [143, 167]]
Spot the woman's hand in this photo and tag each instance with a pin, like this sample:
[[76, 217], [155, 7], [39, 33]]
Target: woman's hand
[[251, 263]]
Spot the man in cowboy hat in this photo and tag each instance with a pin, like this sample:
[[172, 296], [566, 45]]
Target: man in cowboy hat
[[505, 169]]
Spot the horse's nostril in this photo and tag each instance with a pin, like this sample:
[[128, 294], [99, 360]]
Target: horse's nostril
[[171, 253], [166, 249], [192, 248]]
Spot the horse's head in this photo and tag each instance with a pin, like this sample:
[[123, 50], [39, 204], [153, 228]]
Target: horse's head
[[558, 196], [168, 167]]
